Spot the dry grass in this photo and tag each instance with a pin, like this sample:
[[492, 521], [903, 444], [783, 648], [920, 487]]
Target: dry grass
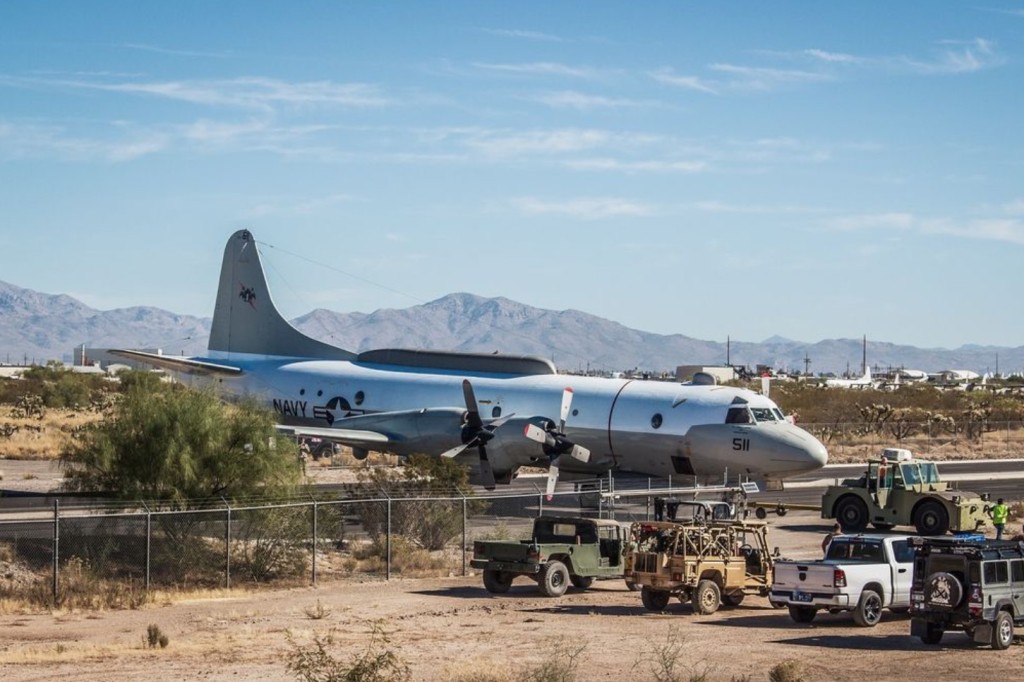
[[41, 438]]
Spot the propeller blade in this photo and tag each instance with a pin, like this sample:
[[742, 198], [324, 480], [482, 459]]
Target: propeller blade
[[473, 412], [581, 453], [534, 432], [454, 452], [566, 406], [552, 479], [486, 472]]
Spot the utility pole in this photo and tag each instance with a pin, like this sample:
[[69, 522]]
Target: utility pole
[[864, 358], [807, 365]]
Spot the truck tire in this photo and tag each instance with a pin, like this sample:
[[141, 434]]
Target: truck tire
[[932, 633], [869, 609], [852, 514], [1002, 631], [733, 599], [497, 582], [707, 597], [654, 600], [554, 579], [581, 582], [931, 518], [802, 614]]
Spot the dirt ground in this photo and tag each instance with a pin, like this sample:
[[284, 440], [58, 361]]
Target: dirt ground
[[451, 629]]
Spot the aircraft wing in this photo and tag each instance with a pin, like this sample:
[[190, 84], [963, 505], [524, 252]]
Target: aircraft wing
[[350, 437], [176, 364]]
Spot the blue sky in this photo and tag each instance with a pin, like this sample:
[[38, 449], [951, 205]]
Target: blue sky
[[804, 169]]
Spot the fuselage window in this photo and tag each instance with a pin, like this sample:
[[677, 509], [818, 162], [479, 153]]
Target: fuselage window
[[319, 393], [359, 397], [302, 391], [737, 415], [656, 421], [496, 412], [763, 414]]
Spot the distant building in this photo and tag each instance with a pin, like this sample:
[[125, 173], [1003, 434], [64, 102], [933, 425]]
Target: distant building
[[721, 373]]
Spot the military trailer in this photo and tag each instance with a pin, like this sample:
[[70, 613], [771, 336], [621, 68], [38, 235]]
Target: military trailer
[[706, 564], [561, 550], [899, 490]]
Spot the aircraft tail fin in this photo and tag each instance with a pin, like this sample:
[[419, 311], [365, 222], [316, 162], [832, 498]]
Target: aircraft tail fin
[[245, 319]]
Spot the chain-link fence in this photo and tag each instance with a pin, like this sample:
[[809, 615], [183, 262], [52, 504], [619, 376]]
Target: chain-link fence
[[294, 542]]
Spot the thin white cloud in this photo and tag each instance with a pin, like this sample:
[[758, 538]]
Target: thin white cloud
[[584, 208], [175, 52], [834, 57], [541, 69], [32, 141], [512, 144], [523, 35], [571, 99], [1009, 230], [245, 93], [667, 76], [649, 166], [955, 57], [764, 78]]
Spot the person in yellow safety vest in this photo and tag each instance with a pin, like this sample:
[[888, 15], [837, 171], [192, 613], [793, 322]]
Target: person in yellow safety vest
[[999, 512]]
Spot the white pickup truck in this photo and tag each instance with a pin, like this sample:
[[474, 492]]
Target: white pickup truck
[[860, 573]]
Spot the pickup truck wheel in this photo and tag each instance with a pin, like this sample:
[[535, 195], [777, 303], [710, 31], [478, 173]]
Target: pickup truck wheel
[[802, 614], [931, 518], [554, 579], [1002, 631], [580, 582], [852, 514], [932, 633], [497, 582], [707, 597], [734, 599], [654, 600], [869, 609]]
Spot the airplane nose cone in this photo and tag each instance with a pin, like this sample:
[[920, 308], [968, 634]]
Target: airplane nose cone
[[806, 452]]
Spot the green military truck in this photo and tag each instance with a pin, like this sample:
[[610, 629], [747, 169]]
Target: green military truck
[[561, 551], [899, 490]]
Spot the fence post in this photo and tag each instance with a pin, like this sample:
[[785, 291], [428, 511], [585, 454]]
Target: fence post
[[465, 534], [314, 540], [56, 549], [227, 548], [149, 540], [387, 575]]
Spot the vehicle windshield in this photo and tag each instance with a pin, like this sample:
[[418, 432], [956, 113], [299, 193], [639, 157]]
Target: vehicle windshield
[[929, 473], [763, 414], [911, 473]]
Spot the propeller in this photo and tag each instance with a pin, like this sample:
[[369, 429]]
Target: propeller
[[477, 434], [556, 443]]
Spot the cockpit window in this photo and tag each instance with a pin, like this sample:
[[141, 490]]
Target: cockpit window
[[738, 415], [763, 414], [778, 414]]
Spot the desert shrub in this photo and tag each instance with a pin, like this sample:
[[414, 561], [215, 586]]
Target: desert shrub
[[787, 671], [155, 638], [431, 523], [271, 543], [180, 446], [667, 661], [378, 662], [78, 587], [407, 558], [559, 665]]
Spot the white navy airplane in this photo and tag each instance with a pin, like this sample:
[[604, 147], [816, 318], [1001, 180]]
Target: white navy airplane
[[504, 411]]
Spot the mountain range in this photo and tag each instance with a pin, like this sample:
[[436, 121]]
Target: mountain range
[[39, 327]]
